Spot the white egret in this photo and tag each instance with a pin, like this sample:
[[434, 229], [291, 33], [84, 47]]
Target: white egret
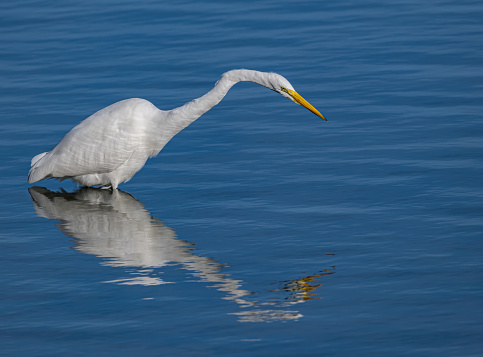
[[110, 146]]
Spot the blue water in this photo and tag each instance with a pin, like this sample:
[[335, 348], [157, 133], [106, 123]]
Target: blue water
[[260, 230]]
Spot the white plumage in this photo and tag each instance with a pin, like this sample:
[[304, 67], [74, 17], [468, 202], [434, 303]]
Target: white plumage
[[110, 146]]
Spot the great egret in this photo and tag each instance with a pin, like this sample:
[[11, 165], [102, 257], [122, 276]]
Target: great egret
[[110, 146]]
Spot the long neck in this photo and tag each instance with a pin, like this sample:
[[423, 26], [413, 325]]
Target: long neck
[[183, 116]]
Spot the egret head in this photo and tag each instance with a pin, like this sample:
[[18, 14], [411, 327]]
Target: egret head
[[273, 81], [282, 86]]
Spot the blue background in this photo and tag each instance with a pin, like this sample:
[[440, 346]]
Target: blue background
[[259, 230]]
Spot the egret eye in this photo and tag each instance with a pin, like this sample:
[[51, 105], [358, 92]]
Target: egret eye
[[283, 89]]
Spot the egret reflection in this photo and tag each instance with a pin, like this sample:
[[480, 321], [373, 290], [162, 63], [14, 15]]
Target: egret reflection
[[117, 228]]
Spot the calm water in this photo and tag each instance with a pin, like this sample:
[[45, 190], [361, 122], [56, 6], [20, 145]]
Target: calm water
[[260, 230]]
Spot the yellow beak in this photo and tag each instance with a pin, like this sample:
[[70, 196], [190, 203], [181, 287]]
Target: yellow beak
[[300, 100]]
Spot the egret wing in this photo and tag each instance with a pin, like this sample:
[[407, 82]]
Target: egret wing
[[99, 144]]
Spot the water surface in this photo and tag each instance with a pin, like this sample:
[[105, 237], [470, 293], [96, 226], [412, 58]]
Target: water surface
[[259, 230]]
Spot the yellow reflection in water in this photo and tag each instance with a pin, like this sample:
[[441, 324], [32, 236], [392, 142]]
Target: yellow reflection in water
[[303, 289]]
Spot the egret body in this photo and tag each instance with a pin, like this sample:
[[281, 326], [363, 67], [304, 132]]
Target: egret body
[[110, 146]]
